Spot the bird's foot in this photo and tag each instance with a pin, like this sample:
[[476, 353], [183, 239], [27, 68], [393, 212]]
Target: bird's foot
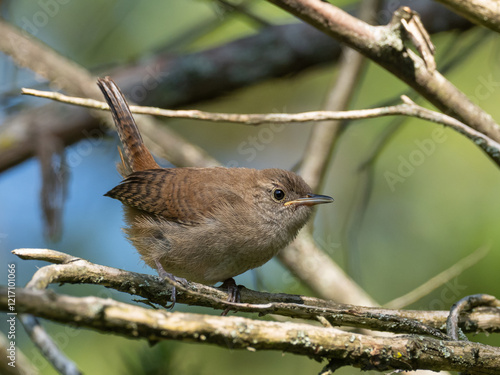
[[166, 275], [233, 292]]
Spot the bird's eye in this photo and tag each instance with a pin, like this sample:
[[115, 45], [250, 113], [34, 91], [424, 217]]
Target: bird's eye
[[278, 194]]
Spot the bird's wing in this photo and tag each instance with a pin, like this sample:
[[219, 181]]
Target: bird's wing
[[174, 194]]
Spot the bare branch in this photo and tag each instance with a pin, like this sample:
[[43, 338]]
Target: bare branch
[[366, 352], [321, 274], [182, 80], [49, 349], [23, 365], [481, 12], [406, 353], [63, 73], [384, 45], [46, 255], [155, 290], [467, 304], [408, 108]]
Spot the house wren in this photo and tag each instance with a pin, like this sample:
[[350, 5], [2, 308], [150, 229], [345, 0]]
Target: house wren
[[203, 224]]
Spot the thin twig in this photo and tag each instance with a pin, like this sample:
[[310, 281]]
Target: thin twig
[[466, 304], [309, 47], [482, 12], [439, 279], [385, 46], [50, 351], [46, 255], [408, 108], [324, 136]]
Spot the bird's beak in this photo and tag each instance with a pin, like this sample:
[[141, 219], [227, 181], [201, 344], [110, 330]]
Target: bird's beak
[[310, 200]]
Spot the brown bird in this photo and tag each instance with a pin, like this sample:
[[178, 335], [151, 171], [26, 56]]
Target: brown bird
[[203, 224]]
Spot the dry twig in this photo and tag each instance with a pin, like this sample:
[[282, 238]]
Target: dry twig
[[481, 12], [385, 46], [309, 47], [366, 352], [154, 289], [407, 108]]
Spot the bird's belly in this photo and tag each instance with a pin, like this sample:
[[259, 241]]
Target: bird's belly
[[206, 254]]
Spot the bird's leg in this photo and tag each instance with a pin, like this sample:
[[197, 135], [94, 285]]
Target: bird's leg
[[233, 292], [165, 275]]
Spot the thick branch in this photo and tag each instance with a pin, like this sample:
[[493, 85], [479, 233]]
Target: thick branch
[[481, 12], [80, 271], [366, 352]]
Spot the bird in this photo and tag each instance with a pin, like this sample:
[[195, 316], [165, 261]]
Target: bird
[[205, 225]]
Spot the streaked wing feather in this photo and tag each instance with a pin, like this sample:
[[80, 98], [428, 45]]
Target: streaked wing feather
[[172, 194]]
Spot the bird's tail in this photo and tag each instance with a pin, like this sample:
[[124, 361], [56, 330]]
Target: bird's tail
[[135, 156]]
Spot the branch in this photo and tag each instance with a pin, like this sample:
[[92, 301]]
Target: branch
[[23, 365], [166, 81], [384, 45], [467, 304], [324, 136], [366, 352], [77, 124], [408, 108], [47, 346], [28, 51], [481, 12], [153, 289], [320, 273]]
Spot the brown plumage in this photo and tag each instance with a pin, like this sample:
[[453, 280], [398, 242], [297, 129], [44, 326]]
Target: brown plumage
[[204, 224]]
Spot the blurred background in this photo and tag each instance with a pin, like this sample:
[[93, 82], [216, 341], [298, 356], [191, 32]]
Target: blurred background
[[411, 198]]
